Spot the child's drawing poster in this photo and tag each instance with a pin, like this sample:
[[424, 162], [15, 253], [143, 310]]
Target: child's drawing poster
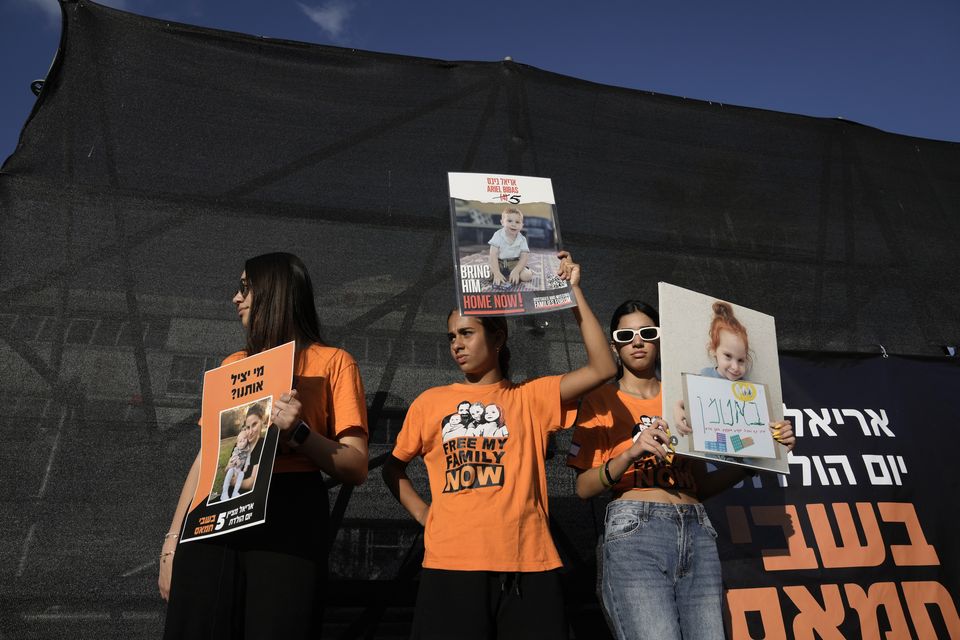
[[505, 244], [730, 418], [720, 380], [238, 443]]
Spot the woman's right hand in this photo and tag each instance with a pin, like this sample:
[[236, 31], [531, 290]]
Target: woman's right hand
[[422, 516], [654, 439], [568, 270], [166, 566]]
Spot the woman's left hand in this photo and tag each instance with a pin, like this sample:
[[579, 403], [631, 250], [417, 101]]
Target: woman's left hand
[[783, 433], [286, 410], [680, 419]]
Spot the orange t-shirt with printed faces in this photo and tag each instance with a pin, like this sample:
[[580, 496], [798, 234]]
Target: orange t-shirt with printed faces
[[484, 448], [328, 386], [606, 423]]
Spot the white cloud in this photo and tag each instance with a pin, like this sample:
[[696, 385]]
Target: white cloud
[[331, 16]]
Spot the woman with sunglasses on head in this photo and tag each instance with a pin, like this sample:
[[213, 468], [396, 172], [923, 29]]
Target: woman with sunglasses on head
[[659, 573], [267, 581], [490, 566]]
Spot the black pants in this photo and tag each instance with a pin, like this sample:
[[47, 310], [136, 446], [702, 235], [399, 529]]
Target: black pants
[[487, 604], [263, 582]]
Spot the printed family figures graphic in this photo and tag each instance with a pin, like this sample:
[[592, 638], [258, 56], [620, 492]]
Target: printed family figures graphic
[[645, 423], [474, 420]]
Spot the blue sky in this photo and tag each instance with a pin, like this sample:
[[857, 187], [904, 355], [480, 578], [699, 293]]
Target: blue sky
[[890, 65]]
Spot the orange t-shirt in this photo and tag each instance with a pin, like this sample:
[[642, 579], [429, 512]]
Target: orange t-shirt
[[606, 424], [484, 448], [328, 386]]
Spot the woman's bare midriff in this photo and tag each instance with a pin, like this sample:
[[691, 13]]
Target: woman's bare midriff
[[658, 495]]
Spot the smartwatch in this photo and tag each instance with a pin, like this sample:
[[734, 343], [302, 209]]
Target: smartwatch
[[299, 434]]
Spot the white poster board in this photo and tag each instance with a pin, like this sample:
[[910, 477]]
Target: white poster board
[[505, 242], [686, 319], [730, 418]]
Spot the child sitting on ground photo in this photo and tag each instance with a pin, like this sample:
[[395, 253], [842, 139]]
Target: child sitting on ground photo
[[509, 251]]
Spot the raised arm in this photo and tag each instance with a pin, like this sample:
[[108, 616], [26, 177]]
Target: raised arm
[[395, 477], [600, 366]]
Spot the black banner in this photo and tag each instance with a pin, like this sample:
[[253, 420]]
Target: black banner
[[860, 539]]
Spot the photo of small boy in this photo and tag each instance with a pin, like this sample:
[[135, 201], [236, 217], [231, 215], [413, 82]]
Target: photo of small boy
[[510, 248], [506, 242]]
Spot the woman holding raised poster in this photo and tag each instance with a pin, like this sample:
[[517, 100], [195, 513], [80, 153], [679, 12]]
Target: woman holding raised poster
[[659, 570], [267, 581], [490, 569]]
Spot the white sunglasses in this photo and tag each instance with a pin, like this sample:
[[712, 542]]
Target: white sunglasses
[[647, 334]]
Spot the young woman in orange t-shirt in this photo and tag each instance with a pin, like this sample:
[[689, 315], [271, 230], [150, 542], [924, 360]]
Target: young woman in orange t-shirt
[[490, 566], [660, 573], [267, 581]]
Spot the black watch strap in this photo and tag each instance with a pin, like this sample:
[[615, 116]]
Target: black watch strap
[[299, 434]]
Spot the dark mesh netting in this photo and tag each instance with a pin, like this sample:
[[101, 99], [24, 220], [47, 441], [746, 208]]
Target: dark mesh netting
[[159, 156]]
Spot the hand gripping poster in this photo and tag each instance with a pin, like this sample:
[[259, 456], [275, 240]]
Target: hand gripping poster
[[720, 373], [238, 443], [505, 243]]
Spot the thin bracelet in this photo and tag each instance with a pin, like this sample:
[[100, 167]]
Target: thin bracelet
[[168, 553], [603, 476], [171, 535]]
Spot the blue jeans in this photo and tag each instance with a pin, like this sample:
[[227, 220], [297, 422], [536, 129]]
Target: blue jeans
[[660, 572]]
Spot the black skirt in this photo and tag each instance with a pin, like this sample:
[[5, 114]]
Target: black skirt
[[266, 581]]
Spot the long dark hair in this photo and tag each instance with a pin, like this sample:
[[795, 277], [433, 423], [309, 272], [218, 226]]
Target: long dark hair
[[493, 325], [632, 306], [283, 308]]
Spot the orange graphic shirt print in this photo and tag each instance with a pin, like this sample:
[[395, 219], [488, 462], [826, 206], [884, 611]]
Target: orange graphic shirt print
[[607, 422], [484, 448]]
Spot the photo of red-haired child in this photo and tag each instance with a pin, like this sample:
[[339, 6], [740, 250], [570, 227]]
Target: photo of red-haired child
[[721, 379]]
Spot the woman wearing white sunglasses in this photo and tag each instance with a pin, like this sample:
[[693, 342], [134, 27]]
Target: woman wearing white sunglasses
[[659, 569]]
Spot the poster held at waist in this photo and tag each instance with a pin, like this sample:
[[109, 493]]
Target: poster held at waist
[[238, 443]]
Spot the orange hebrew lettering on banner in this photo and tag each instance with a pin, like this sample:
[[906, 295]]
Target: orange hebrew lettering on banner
[[739, 529], [764, 601], [881, 594], [918, 552], [920, 594], [797, 555], [814, 618], [850, 553]]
